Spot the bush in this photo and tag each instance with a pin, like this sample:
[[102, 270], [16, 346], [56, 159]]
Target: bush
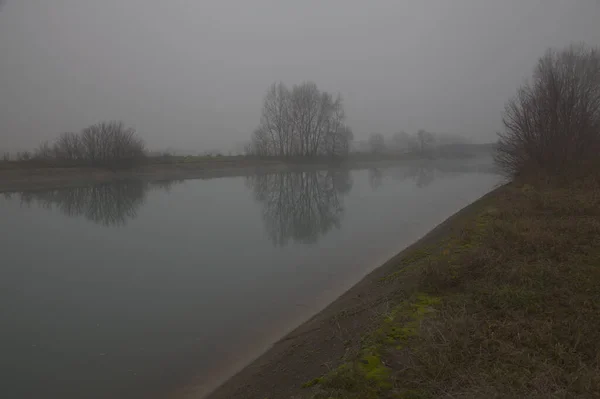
[[554, 120], [104, 144]]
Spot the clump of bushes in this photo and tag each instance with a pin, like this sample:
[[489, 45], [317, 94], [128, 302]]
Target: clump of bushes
[[106, 144], [553, 123]]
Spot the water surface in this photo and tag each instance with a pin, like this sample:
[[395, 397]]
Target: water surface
[[136, 289]]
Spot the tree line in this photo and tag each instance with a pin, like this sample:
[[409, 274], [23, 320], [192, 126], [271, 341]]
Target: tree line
[[401, 142], [553, 120]]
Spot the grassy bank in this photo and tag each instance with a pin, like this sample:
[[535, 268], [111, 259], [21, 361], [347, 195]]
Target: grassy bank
[[507, 304], [501, 300]]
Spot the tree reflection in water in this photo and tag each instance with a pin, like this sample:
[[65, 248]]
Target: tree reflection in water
[[423, 174], [375, 178], [301, 206], [110, 204]]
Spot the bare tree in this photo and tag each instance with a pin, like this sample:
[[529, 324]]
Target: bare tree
[[302, 122], [338, 141], [377, 143], [275, 124], [261, 144], [554, 119], [44, 152], [68, 147], [425, 140], [111, 142]]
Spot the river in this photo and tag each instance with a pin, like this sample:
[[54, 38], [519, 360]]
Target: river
[[136, 289]]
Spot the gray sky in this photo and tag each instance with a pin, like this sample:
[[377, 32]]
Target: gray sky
[[191, 74]]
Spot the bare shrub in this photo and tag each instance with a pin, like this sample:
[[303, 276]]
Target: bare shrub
[[68, 147], [110, 143], [554, 120], [104, 144]]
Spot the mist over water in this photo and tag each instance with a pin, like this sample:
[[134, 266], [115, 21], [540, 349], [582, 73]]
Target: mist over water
[[137, 289]]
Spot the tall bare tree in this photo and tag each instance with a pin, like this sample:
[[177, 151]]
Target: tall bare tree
[[301, 122], [554, 119], [377, 143], [425, 139]]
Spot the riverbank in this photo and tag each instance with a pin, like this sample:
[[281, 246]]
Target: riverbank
[[499, 300], [46, 178], [16, 177]]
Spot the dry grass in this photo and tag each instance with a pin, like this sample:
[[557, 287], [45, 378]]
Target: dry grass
[[508, 306]]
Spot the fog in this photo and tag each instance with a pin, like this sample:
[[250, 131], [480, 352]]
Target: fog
[[192, 74]]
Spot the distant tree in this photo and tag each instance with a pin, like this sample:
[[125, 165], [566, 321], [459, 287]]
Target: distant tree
[[301, 121], [338, 142], [111, 142], [425, 140], [24, 156], [554, 119], [44, 152], [68, 147], [377, 143]]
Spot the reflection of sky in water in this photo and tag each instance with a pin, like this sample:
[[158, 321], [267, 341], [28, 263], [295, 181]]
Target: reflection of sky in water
[[190, 278]]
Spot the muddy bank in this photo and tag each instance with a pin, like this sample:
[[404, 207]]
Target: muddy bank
[[320, 343]]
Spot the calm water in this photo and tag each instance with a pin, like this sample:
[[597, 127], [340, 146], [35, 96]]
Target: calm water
[[137, 290]]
